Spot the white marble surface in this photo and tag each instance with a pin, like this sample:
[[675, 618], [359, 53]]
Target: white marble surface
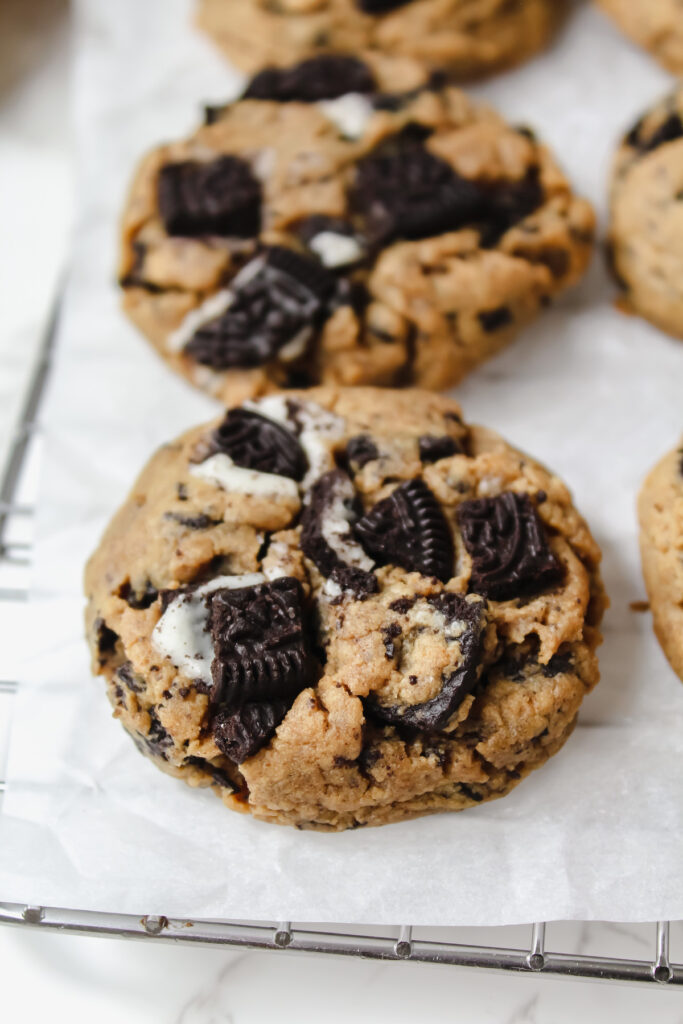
[[51, 976]]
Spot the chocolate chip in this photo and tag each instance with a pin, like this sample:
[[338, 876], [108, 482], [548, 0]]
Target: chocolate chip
[[380, 6], [128, 677], [284, 298], [389, 634], [506, 540], [670, 130], [199, 522], [360, 450], [256, 442], [327, 538], [494, 319], [434, 448], [435, 714], [318, 78], [409, 529], [558, 664], [138, 599], [105, 639], [260, 644], [470, 793], [218, 198], [220, 777], [240, 734], [181, 491]]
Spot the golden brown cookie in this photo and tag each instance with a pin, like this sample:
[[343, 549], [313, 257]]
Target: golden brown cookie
[[646, 216], [660, 509], [466, 38], [346, 607], [656, 25], [332, 229]]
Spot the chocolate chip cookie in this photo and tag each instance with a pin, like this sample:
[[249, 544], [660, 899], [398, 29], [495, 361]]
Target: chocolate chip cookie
[[660, 509], [345, 607], [646, 226], [656, 25], [336, 227], [466, 38]]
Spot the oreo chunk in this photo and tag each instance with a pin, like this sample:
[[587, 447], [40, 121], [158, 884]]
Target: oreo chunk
[[286, 297], [318, 78], [360, 450], [495, 319], [669, 130], [433, 715], [240, 734], [409, 529], [260, 647], [218, 198], [327, 537], [255, 442], [410, 193], [506, 203], [380, 6], [506, 540], [434, 448]]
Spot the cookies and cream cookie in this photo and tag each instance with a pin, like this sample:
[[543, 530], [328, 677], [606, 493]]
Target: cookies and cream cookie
[[346, 607], [336, 226]]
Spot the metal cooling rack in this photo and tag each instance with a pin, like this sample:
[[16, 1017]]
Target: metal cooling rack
[[17, 489]]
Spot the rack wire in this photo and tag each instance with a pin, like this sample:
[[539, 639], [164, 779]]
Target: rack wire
[[402, 943]]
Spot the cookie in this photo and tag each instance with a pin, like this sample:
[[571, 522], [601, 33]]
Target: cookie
[[345, 607], [466, 38], [655, 25], [660, 509], [646, 216], [311, 235]]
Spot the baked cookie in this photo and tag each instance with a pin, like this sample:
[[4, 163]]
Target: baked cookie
[[329, 229], [346, 607], [657, 25], [467, 38], [660, 509], [646, 216]]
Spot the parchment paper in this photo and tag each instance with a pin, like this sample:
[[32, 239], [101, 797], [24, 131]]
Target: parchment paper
[[89, 823]]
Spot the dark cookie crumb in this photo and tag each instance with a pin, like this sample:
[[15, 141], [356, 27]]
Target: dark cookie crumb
[[389, 634], [218, 198], [433, 448], [198, 522], [495, 319], [324, 77], [558, 663], [140, 599], [241, 734]]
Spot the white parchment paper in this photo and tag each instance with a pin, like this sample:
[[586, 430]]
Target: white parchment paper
[[89, 823]]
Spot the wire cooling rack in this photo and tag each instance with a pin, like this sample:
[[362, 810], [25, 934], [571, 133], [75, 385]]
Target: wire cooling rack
[[402, 943]]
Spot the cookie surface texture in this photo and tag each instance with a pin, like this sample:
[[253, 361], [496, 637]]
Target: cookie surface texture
[[655, 25], [393, 614]]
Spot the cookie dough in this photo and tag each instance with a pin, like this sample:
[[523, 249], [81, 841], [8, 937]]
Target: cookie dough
[[341, 226], [467, 38], [646, 216], [660, 509], [346, 607], [657, 25]]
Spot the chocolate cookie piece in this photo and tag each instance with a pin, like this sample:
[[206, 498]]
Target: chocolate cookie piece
[[380, 6], [327, 535], [283, 300], [318, 78], [434, 448], [260, 644], [256, 442], [506, 540], [218, 198], [287, 669], [409, 529], [241, 734], [464, 623]]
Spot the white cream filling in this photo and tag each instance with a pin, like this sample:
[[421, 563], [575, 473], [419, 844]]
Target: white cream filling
[[221, 470], [181, 634], [335, 529], [350, 113], [335, 250], [210, 309], [295, 348]]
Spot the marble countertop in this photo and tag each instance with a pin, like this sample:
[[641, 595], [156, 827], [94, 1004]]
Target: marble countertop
[[109, 980]]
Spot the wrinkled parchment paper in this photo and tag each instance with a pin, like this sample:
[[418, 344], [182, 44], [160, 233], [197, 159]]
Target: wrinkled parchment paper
[[89, 823]]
